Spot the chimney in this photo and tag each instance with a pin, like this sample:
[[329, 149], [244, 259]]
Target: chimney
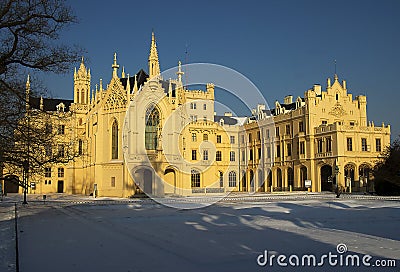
[[288, 99], [317, 89], [228, 113]]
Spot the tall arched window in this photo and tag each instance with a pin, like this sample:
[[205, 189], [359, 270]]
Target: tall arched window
[[114, 140], [152, 123]]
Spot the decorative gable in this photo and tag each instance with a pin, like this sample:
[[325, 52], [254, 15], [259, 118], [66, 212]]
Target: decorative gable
[[116, 98]]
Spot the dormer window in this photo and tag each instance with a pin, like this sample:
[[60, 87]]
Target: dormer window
[[60, 107]]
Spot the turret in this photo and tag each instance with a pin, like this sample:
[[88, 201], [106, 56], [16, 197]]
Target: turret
[[115, 67], [82, 84]]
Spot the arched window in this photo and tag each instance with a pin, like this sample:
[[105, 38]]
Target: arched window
[[114, 140], [151, 131], [195, 178], [232, 179], [221, 179]]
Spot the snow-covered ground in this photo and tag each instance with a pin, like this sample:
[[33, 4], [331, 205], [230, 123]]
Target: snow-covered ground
[[227, 236]]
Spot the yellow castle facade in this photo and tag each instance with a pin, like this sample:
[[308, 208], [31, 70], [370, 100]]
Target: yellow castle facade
[[142, 133]]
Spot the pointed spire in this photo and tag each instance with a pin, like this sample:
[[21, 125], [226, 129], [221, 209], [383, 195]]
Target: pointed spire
[[74, 72], [123, 72], [101, 84], [115, 67], [128, 84], [179, 73], [92, 100], [41, 103], [170, 89], [154, 65], [27, 94], [128, 90], [328, 82], [82, 66], [135, 86]]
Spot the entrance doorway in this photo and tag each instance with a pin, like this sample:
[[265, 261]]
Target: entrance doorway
[[326, 178], [60, 186]]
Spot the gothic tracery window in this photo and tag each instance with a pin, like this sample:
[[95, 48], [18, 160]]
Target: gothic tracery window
[[151, 131], [114, 140]]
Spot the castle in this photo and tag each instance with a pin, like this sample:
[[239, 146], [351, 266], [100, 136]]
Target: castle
[[143, 133]]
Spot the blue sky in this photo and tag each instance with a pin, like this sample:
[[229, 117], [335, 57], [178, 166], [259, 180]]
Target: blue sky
[[283, 47]]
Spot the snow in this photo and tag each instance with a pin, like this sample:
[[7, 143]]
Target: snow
[[227, 236]]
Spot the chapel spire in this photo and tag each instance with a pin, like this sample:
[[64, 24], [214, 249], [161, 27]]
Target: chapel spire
[[154, 65]]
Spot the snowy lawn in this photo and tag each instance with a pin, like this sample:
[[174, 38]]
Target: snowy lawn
[[221, 237]]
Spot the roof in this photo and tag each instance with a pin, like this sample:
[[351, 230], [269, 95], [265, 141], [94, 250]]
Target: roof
[[141, 77], [49, 104], [227, 119]]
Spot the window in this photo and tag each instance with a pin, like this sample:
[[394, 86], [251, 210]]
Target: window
[[61, 129], [151, 130], [80, 147], [114, 141], [221, 179], [324, 122], [250, 138], [302, 148], [232, 179], [193, 118], [378, 145], [301, 127], [218, 139], [112, 181], [47, 172], [364, 144], [349, 144], [60, 150], [277, 131], [268, 152], [194, 137], [320, 145], [195, 178], [49, 128], [60, 172], [204, 106], [351, 123], [289, 149], [48, 150], [278, 151], [287, 130], [259, 153], [193, 106], [194, 154], [242, 140], [328, 144], [337, 96], [251, 154], [205, 137], [218, 156], [205, 155], [232, 156], [232, 138], [243, 155]]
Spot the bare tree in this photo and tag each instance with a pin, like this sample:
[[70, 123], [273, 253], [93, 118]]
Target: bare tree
[[387, 171], [29, 43]]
